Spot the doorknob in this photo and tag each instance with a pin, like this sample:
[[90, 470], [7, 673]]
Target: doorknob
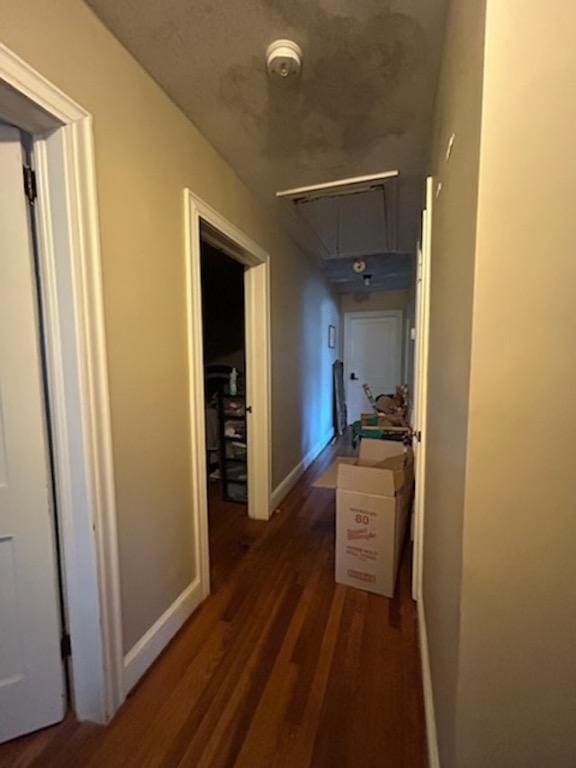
[[353, 377]]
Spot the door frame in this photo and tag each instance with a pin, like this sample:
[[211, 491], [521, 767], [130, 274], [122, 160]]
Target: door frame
[[257, 342], [421, 354], [374, 313], [71, 285]]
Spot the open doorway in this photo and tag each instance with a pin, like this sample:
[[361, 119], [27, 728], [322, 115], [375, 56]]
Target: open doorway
[[242, 482], [227, 436]]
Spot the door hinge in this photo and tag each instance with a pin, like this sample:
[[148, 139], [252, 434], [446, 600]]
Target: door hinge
[[418, 436], [30, 184], [65, 646]]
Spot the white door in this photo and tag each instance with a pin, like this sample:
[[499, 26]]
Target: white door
[[372, 355], [421, 387], [32, 691]]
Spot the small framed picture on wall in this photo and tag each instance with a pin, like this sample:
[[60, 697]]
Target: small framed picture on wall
[[332, 336]]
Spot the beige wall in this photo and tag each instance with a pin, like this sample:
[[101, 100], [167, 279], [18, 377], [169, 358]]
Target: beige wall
[[302, 310], [500, 548], [378, 300], [458, 108], [517, 704], [146, 153]]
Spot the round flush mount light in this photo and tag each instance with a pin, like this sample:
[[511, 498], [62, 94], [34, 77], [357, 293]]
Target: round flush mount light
[[284, 58], [359, 266]]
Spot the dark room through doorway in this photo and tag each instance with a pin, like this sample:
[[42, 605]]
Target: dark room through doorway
[[223, 322]]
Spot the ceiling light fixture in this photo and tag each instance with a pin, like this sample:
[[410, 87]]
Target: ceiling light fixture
[[284, 59], [359, 266]]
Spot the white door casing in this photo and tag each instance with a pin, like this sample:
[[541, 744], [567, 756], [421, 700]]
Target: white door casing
[[421, 388], [71, 288], [372, 355], [32, 691]]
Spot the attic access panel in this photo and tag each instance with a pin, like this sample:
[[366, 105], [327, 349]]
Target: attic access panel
[[356, 219], [352, 217]]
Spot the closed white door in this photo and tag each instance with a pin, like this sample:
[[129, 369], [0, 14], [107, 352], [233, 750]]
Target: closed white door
[[372, 355], [32, 690]]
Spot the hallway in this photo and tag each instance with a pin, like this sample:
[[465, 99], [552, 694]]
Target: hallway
[[279, 667]]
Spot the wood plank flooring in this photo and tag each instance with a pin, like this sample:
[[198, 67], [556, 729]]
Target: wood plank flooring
[[279, 668]]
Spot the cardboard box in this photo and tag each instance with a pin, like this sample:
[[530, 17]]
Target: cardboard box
[[373, 498], [383, 421]]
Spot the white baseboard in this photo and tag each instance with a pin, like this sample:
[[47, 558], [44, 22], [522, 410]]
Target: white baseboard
[[284, 488], [152, 643], [431, 733]]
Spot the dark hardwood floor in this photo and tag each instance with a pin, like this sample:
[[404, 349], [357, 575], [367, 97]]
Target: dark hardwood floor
[[232, 534], [280, 667]]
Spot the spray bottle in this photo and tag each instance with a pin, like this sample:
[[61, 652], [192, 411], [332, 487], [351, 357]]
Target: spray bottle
[[234, 382]]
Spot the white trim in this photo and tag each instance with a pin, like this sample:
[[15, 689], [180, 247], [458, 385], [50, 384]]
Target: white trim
[[285, 486], [78, 383], [30, 83], [196, 402], [258, 389], [406, 352], [143, 654], [431, 733], [421, 389], [340, 186], [257, 305]]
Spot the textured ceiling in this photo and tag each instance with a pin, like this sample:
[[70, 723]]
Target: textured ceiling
[[362, 104]]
